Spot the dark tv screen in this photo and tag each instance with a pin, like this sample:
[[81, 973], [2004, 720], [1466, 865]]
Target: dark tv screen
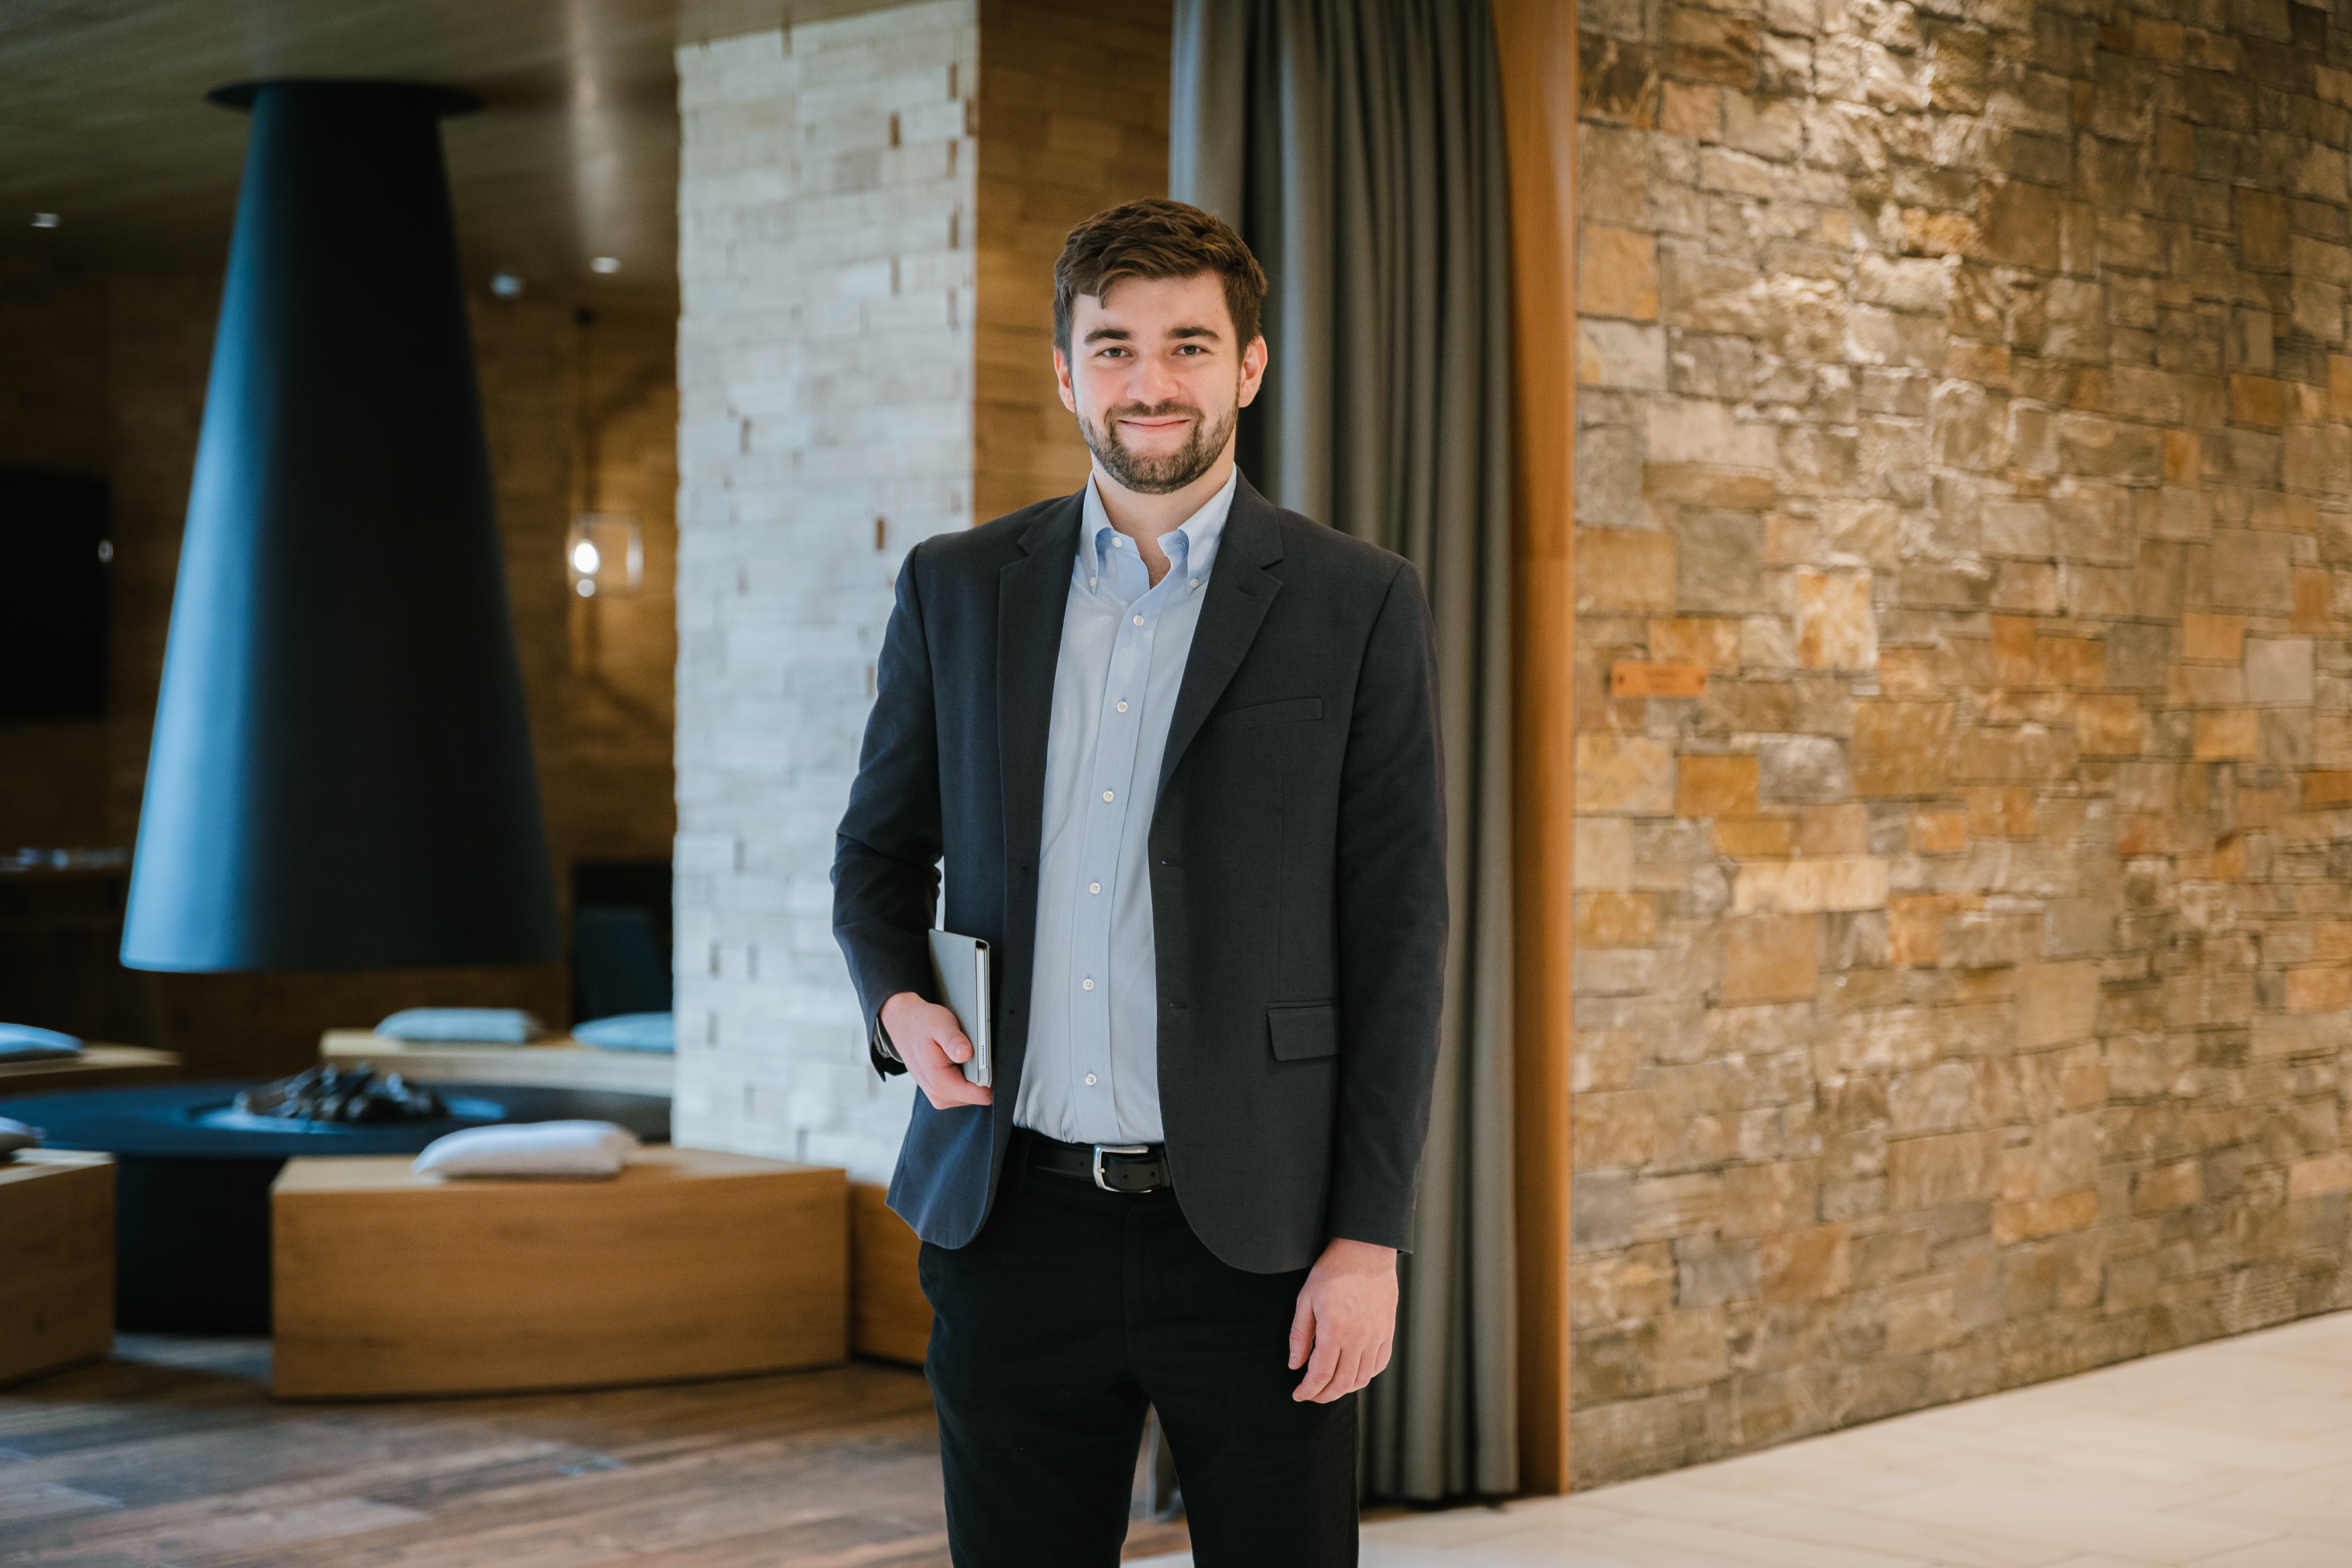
[[52, 594]]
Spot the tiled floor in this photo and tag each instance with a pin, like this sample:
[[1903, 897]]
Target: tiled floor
[[2233, 1455]]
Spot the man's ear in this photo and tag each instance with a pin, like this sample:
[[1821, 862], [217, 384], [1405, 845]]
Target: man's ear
[[1062, 379], [1253, 370]]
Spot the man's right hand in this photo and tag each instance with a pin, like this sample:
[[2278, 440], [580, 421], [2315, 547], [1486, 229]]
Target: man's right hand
[[929, 1041]]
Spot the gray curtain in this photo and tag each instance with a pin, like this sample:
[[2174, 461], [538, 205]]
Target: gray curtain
[[1359, 148]]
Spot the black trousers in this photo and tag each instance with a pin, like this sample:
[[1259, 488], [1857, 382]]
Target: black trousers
[[1052, 1330]]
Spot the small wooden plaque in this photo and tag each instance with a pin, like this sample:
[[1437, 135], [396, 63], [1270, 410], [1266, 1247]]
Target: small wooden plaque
[[1628, 677]]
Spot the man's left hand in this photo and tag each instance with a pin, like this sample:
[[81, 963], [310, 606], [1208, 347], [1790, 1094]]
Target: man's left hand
[[1346, 1320]]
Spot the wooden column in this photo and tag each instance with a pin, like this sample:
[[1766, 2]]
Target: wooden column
[[1050, 157], [1537, 41]]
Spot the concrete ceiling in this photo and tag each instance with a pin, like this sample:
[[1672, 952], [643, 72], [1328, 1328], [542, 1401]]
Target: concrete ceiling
[[103, 122]]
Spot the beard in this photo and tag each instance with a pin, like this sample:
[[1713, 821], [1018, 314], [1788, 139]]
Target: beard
[[1164, 474]]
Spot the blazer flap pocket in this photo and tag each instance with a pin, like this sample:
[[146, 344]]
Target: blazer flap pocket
[[1288, 712], [1302, 1031]]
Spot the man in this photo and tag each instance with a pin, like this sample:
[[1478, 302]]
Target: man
[[1179, 750]]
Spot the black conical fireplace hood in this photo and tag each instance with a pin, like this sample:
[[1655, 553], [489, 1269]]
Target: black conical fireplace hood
[[342, 773]]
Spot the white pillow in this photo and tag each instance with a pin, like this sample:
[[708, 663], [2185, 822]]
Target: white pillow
[[576, 1149], [464, 1025]]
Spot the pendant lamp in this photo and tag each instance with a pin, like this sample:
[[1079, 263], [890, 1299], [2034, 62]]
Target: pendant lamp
[[340, 776]]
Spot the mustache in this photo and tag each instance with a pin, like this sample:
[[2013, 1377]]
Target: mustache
[[1154, 411]]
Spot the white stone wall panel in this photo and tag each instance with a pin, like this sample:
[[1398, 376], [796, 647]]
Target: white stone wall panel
[[826, 366]]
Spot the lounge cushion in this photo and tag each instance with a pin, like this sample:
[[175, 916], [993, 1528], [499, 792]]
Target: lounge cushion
[[16, 1135], [575, 1149], [24, 1043], [630, 1032], [480, 1026]]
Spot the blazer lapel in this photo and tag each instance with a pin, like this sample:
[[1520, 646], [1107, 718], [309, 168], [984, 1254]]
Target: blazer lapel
[[1241, 590], [1033, 596]]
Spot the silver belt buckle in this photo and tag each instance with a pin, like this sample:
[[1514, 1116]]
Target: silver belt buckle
[[1102, 1149]]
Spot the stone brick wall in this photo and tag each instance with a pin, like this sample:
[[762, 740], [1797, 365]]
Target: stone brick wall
[[825, 427], [1965, 733]]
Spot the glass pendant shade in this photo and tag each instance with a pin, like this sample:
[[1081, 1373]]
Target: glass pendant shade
[[341, 775]]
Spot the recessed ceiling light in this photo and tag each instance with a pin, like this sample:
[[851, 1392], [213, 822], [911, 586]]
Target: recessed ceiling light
[[51, 220], [605, 264], [507, 286]]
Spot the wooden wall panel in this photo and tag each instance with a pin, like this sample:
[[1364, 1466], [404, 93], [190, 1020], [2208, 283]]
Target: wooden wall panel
[[1052, 153], [1537, 39], [621, 705]]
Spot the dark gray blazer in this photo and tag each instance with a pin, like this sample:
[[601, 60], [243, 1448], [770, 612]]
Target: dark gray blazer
[[1297, 869]]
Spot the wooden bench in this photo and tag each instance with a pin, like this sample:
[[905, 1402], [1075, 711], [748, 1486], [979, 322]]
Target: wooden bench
[[888, 1316], [559, 1063], [690, 1264], [97, 1066], [56, 1260]]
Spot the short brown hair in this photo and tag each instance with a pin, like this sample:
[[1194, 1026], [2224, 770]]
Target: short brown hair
[[1156, 238]]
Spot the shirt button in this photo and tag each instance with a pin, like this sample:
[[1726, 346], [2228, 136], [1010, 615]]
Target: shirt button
[[1090, 1079], [1122, 707], [1192, 582], [1139, 620], [1090, 581], [1107, 795], [1089, 984], [1118, 542], [1094, 887]]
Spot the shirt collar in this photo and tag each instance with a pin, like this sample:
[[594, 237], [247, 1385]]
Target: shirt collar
[[1192, 546]]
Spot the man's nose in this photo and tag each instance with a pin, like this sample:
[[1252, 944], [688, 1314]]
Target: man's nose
[[1153, 382]]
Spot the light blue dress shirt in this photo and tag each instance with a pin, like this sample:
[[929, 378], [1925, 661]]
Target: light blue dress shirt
[[1091, 1074]]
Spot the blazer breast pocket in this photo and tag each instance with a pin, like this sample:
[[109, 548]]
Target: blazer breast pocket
[[1292, 710], [1302, 1031]]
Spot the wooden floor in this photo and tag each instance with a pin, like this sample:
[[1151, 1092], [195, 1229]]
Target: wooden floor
[[2235, 1453], [173, 1455]]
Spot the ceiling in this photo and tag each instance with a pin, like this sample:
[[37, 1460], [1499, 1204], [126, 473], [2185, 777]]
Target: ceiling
[[103, 121]]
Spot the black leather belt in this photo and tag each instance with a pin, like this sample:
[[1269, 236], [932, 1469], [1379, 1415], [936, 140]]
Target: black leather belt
[[1113, 1167]]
